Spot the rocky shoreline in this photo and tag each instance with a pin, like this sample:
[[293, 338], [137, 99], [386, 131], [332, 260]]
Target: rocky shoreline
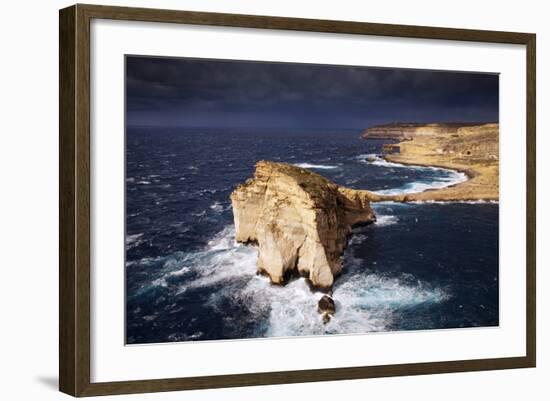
[[471, 149]]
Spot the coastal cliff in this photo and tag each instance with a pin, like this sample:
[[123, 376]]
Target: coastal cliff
[[402, 131], [299, 220], [472, 149]]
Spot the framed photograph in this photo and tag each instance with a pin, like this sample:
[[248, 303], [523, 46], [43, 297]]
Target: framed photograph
[[250, 200]]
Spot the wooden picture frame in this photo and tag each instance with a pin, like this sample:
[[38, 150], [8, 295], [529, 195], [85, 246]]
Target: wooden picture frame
[[74, 200]]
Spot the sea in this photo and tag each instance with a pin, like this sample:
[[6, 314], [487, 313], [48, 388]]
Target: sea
[[421, 266]]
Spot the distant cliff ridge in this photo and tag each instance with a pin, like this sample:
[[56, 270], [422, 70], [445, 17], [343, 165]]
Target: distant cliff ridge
[[400, 131]]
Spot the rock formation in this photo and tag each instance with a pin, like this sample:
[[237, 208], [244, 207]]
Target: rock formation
[[401, 131], [326, 307], [299, 220]]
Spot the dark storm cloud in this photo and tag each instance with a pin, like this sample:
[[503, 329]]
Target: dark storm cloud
[[195, 92]]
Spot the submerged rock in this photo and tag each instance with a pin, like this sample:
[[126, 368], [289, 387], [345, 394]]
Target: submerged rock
[[299, 220], [326, 305]]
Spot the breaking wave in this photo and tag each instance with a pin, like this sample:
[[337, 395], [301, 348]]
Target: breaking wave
[[466, 202], [316, 166], [445, 178], [220, 207], [454, 178], [376, 160], [386, 220], [134, 240], [366, 301]]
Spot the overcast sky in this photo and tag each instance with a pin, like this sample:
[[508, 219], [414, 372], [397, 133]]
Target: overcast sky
[[213, 93]]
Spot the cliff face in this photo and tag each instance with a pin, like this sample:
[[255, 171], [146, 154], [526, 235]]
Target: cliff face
[[299, 220], [467, 145], [403, 131]]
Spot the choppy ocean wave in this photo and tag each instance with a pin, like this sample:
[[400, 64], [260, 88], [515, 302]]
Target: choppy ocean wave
[[220, 207], [365, 302], [187, 279], [316, 166], [376, 160], [386, 220], [134, 240]]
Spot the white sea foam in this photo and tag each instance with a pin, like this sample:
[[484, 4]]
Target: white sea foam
[[453, 178], [163, 281], [386, 220], [202, 192], [467, 202], [130, 239], [219, 207], [316, 166], [449, 177], [185, 337], [224, 240], [365, 301], [357, 239], [222, 260], [369, 301], [134, 240], [421, 186], [376, 160]]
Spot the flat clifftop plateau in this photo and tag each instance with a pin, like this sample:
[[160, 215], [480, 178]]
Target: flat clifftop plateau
[[299, 220], [401, 131], [472, 149]]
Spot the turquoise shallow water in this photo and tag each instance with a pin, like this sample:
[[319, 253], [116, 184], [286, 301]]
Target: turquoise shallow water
[[421, 266]]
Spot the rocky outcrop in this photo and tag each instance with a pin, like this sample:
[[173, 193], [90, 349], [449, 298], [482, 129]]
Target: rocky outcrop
[[299, 220], [326, 307]]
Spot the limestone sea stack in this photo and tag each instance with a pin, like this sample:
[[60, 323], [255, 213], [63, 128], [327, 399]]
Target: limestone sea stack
[[299, 220]]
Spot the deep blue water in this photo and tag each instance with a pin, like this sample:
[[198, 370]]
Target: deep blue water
[[421, 266]]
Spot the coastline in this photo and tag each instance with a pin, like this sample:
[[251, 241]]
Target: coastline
[[473, 152], [479, 185]]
